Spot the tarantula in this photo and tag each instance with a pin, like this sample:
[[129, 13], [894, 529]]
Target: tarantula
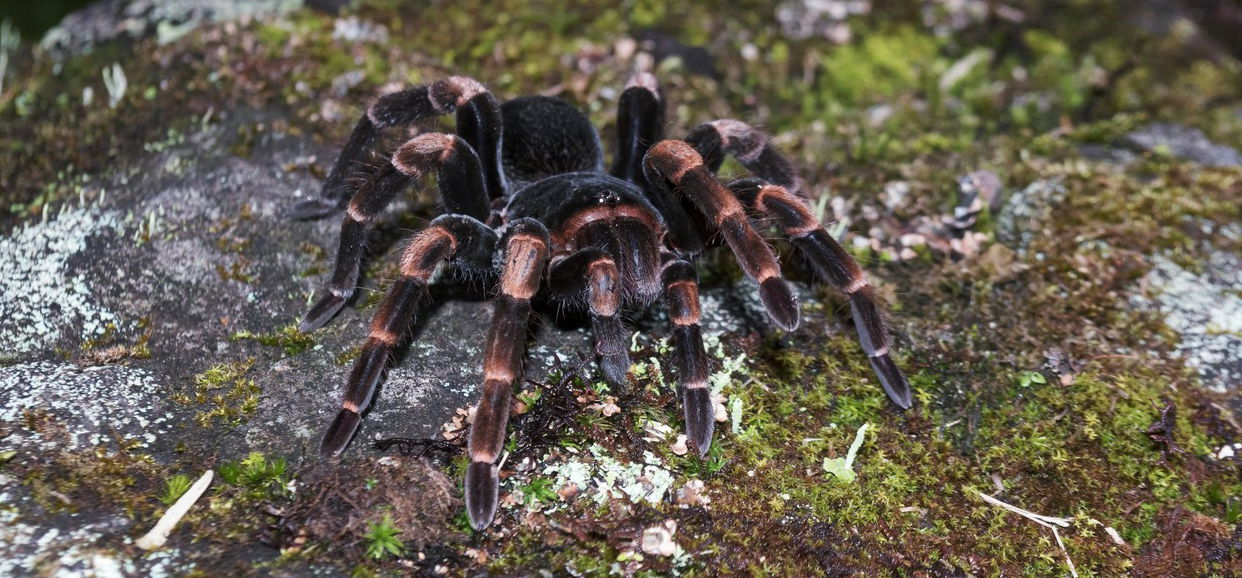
[[528, 203]]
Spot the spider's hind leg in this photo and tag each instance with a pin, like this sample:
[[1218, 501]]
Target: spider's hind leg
[[834, 265], [478, 114]]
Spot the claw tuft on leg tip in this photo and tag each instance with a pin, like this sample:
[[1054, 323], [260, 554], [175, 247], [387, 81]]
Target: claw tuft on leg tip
[[323, 311], [339, 433], [780, 302], [700, 418], [893, 381], [482, 492]]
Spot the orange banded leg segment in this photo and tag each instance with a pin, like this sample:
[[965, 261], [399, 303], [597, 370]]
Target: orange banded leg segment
[[749, 145], [834, 265], [681, 294], [682, 166], [403, 109], [592, 273], [446, 237], [461, 190], [526, 248]]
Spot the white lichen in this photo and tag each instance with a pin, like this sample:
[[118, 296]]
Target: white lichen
[[42, 296]]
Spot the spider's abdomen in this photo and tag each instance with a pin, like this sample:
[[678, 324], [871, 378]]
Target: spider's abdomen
[[547, 136]]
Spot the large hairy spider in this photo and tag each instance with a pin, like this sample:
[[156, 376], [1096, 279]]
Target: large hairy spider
[[528, 203]]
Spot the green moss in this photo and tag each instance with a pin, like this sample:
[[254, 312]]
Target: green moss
[[223, 393], [288, 338]]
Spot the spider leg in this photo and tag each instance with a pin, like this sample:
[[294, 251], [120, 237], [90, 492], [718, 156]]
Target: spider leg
[[640, 124], [832, 264], [461, 190], [603, 293], [458, 237], [681, 293], [678, 163], [713, 140], [525, 255], [477, 111]]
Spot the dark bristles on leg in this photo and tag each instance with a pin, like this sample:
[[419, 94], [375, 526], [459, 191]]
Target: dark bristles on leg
[[526, 247], [780, 302], [681, 294], [336, 189], [640, 123], [682, 166], [447, 237], [832, 264], [461, 190], [398, 109], [594, 272], [339, 433], [482, 492], [747, 144], [366, 204]]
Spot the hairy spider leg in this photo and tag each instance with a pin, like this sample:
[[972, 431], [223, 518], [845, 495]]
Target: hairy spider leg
[[593, 272], [640, 124], [526, 248], [478, 122], [833, 265], [749, 145], [461, 191], [681, 295], [678, 163], [457, 237]]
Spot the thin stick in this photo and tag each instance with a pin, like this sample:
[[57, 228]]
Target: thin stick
[[1042, 520], [155, 539]]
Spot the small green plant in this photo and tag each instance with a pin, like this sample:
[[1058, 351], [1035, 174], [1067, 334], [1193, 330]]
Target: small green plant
[[174, 487], [382, 539], [843, 468], [256, 472], [538, 490], [1029, 378]]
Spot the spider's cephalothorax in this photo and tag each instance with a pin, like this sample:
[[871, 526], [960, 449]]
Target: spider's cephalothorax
[[529, 205]]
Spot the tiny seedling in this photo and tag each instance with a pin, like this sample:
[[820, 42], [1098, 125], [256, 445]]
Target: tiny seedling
[[382, 539], [538, 490], [843, 468]]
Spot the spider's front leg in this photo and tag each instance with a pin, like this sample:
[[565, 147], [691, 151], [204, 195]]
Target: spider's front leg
[[461, 188], [681, 166], [526, 248], [449, 237], [681, 294], [602, 289]]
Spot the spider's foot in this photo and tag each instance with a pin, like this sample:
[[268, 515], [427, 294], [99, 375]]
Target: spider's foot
[[895, 384], [322, 311], [780, 302], [616, 367], [312, 209], [482, 491], [700, 417], [339, 433]]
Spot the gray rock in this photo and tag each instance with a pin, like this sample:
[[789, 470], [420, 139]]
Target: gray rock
[[1182, 142]]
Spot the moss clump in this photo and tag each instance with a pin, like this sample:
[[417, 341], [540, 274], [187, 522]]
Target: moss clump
[[229, 396], [287, 338]]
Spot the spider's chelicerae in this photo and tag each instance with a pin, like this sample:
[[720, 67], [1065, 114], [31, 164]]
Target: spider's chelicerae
[[529, 204]]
